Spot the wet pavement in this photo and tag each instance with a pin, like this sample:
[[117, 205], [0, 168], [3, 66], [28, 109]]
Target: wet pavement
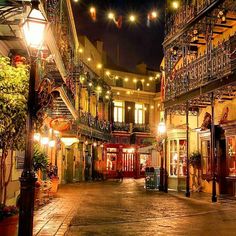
[[113, 208]]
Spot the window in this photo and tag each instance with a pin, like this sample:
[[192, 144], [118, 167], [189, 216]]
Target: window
[[139, 113], [118, 111], [206, 156], [139, 85], [119, 82]]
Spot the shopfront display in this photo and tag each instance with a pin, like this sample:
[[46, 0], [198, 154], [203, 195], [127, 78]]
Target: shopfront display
[[177, 159], [230, 135]]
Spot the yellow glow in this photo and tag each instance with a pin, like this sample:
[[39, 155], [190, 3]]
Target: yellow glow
[[44, 140], [129, 108], [152, 107], [158, 75], [151, 78], [37, 137], [118, 93], [135, 80], [161, 128], [116, 77], [175, 4], [154, 14], [108, 73], [86, 142], [142, 80], [145, 108], [132, 18], [81, 50], [34, 28], [95, 144], [90, 84], [108, 92], [76, 0], [148, 84], [56, 132], [99, 89], [111, 15], [92, 10], [52, 143], [89, 59], [68, 141], [107, 97], [128, 92], [126, 79], [99, 66]]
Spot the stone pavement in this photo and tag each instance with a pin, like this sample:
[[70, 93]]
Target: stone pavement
[[113, 208], [54, 217]]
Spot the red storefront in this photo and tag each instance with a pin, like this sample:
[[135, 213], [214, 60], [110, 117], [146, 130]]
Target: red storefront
[[126, 158]]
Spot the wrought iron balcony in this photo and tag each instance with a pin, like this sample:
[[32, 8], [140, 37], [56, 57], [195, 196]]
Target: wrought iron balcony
[[58, 15], [184, 15], [141, 128], [121, 126], [88, 120], [203, 70]]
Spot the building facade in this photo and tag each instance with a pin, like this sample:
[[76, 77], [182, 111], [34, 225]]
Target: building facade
[[198, 92]]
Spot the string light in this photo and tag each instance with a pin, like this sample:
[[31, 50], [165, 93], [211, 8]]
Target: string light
[[89, 59], [111, 15], [148, 84], [175, 5], [126, 79], [99, 66], [108, 73], [132, 18], [116, 77], [151, 78], [90, 84], [154, 14]]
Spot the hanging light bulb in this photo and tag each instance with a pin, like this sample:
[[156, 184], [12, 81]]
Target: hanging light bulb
[[132, 18], [111, 16]]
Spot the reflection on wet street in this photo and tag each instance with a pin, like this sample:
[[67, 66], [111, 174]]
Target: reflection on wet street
[[114, 208]]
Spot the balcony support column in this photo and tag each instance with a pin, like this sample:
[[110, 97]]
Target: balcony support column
[[187, 193]]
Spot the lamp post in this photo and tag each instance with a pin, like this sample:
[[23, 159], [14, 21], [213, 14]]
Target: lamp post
[[33, 29], [161, 130]]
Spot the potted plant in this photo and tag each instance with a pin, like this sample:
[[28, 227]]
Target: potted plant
[[8, 219], [40, 162], [14, 82], [195, 161]]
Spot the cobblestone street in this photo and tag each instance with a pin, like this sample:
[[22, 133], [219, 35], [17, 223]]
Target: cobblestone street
[[113, 208]]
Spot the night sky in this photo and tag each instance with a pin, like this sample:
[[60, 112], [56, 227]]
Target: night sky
[[137, 43]]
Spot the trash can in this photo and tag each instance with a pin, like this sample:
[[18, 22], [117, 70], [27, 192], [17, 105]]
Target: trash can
[[152, 178]]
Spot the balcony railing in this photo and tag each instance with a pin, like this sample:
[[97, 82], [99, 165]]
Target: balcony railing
[[202, 70], [92, 122], [58, 16], [184, 15], [121, 126]]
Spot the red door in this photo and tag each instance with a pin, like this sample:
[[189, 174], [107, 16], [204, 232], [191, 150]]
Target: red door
[[128, 161]]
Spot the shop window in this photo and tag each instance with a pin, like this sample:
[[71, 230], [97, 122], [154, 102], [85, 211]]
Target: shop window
[[139, 113], [177, 158], [206, 157], [231, 149], [118, 111]]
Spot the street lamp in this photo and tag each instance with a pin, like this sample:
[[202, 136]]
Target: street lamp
[[161, 130], [33, 28]]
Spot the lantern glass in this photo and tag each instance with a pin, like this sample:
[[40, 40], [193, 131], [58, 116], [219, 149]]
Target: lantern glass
[[34, 28], [161, 128]]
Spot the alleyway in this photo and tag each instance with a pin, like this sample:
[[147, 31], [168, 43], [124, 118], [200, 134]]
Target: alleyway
[[112, 208]]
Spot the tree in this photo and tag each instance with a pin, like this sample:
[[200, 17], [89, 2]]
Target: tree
[[14, 82]]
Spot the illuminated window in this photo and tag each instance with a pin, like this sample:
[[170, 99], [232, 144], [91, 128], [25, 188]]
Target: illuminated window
[[118, 111], [139, 113]]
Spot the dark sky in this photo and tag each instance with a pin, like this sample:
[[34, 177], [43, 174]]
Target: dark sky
[[137, 43]]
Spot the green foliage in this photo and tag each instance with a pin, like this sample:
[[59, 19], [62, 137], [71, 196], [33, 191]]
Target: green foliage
[[40, 159], [195, 159], [14, 82]]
